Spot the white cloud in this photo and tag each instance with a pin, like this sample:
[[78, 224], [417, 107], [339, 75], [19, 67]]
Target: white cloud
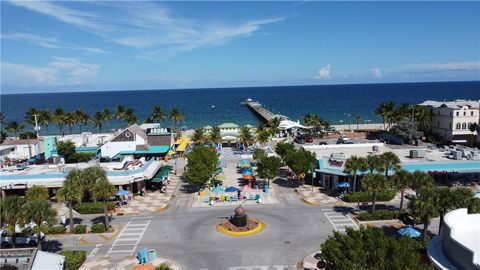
[[48, 42], [323, 73], [444, 67], [61, 71], [376, 73], [146, 26]]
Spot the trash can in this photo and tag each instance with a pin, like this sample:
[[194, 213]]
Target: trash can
[[152, 255], [142, 255]]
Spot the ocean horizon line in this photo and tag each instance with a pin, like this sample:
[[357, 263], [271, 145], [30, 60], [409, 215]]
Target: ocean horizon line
[[238, 87]]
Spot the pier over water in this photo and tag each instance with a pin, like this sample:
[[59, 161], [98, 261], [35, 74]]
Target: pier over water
[[264, 114]]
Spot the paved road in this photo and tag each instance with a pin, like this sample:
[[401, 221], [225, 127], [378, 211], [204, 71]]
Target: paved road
[[188, 235]]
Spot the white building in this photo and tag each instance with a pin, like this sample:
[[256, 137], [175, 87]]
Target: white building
[[21, 149], [458, 245], [451, 120], [130, 139]]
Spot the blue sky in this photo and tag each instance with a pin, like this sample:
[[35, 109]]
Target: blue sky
[[86, 46]]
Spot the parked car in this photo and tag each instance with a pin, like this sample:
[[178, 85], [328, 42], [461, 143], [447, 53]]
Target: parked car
[[21, 239], [300, 139], [309, 139], [322, 143]]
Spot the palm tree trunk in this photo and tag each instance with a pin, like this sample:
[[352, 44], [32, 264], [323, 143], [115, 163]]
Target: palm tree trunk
[[425, 230], [38, 238], [401, 199], [440, 224], [70, 216], [14, 238], [354, 181], [105, 209]]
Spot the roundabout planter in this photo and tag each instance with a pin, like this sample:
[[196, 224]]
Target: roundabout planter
[[240, 224]]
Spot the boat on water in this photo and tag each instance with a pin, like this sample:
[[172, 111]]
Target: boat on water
[[213, 106], [246, 101]]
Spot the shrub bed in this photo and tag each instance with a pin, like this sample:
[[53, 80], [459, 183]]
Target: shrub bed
[[163, 266], [56, 229], [73, 259], [80, 229], [97, 228], [367, 197], [379, 215], [91, 207]]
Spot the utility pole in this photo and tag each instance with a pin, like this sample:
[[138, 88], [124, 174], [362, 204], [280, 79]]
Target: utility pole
[[37, 128]]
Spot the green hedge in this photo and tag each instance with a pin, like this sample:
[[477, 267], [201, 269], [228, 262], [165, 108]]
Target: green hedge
[[367, 197], [73, 259], [80, 229], [163, 266], [97, 228], [56, 229], [379, 215], [91, 207]]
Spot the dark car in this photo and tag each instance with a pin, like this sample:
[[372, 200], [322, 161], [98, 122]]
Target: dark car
[[300, 139], [322, 143], [309, 139]]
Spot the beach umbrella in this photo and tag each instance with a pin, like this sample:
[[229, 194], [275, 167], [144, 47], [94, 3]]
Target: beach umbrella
[[248, 177], [220, 177], [245, 165], [344, 184], [231, 189], [217, 190], [409, 231], [122, 192]]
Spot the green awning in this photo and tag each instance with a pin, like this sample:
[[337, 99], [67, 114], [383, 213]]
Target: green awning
[[156, 149]]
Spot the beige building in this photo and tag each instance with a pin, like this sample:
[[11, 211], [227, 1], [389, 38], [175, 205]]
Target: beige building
[[451, 120]]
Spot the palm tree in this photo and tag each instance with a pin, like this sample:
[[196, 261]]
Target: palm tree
[[59, 118], [15, 127], [97, 121], [81, 118], [176, 116], [71, 192], [352, 166], [215, 135], [107, 116], [422, 117], [10, 213], [102, 190], [2, 119], [90, 176], [424, 207], [374, 163], [245, 137], [273, 125], [157, 114], [37, 193], [120, 112], [70, 121], [390, 162], [30, 116], [385, 110], [374, 183], [474, 129], [421, 180], [44, 119], [358, 119], [401, 180], [130, 116], [198, 136], [263, 137], [39, 211], [449, 199]]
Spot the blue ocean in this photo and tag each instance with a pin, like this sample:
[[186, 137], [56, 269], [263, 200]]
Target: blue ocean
[[332, 102]]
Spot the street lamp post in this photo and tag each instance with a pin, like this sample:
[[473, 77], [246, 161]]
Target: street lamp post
[[348, 115]]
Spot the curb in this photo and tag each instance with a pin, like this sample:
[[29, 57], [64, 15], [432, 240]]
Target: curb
[[261, 226], [309, 203]]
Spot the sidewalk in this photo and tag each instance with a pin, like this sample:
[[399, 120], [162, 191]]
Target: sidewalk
[[309, 262], [152, 201], [316, 197], [107, 263]]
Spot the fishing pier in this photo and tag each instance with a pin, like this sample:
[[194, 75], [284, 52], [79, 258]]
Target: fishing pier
[[260, 111]]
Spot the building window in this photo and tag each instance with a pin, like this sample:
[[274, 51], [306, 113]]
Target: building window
[[458, 126], [464, 113], [464, 126], [450, 113], [450, 126], [458, 114], [438, 123], [471, 113]]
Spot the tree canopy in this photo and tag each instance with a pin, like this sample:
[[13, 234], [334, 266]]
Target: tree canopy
[[202, 164], [283, 148], [369, 248], [268, 167], [300, 161]]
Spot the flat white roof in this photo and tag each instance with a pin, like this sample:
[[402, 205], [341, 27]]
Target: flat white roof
[[456, 104], [465, 229]]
